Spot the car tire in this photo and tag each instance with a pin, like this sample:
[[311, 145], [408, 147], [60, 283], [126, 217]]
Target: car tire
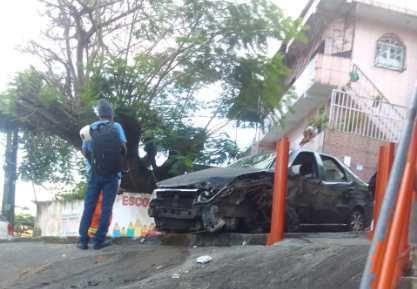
[[291, 228], [356, 220], [291, 221]]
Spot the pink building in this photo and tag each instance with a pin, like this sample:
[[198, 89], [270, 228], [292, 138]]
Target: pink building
[[356, 74]]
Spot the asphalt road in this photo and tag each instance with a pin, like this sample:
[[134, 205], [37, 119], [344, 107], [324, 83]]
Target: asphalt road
[[313, 263]]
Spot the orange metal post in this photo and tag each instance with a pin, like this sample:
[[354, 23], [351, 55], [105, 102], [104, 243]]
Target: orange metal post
[[385, 161], [390, 159], [382, 181], [279, 192], [385, 280], [379, 193], [404, 248]]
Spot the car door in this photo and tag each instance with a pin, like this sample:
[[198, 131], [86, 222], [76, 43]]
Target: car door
[[3, 228], [338, 181], [302, 167]]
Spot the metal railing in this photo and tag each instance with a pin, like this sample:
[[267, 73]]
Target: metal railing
[[366, 117], [366, 88]]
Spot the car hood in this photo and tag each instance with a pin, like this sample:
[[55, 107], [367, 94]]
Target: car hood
[[210, 178]]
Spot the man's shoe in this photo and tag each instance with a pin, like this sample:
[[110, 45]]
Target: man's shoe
[[82, 246], [104, 244]]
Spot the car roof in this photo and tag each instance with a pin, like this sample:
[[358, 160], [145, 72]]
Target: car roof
[[300, 150]]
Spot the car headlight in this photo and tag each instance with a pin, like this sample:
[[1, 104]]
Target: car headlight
[[154, 195]]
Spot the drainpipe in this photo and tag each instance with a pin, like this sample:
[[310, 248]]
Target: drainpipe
[[388, 205]]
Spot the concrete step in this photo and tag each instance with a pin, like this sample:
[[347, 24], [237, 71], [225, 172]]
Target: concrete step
[[408, 283], [218, 239]]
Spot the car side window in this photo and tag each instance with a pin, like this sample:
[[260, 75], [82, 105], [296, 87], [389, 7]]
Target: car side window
[[295, 169], [332, 170], [304, 165]]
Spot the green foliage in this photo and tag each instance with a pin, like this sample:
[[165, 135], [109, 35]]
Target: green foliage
[[262, 79], [47, 158], [78, 193], [220, 151], [177, 51], [23, 217], [321, 121], [25, 84]]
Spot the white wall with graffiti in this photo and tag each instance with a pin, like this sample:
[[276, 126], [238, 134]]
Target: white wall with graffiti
[[130, 217]]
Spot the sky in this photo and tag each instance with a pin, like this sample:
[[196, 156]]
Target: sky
[[20, 22]]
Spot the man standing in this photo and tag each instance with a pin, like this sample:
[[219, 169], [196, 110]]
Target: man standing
[[106, 161]]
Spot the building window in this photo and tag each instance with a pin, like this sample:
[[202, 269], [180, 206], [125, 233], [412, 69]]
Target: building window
[[390, 53]]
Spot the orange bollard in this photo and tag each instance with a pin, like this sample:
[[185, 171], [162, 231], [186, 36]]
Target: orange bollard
[[279, 192], [378, 189], [390, 260], [404, 248], [391, 254], [385, 161]]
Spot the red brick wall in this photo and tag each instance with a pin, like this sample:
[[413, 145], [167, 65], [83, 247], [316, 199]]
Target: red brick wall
[[362, 150]]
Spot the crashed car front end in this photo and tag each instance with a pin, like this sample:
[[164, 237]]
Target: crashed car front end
[[238, 204], [173, 209]]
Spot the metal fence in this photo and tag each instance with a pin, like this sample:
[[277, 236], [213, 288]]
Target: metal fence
[[370, 117]]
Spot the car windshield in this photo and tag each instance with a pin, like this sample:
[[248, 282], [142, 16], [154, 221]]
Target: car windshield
[[261, 161]]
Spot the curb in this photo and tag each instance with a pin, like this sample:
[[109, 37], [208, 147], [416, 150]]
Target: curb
[[191, 240], [180, 240]]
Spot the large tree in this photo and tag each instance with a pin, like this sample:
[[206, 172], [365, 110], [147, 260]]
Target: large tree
[[162, 64]]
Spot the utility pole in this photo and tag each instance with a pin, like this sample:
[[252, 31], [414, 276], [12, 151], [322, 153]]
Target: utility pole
[[10, 173]]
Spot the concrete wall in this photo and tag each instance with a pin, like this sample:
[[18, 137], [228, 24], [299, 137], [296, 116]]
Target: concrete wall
[[315, 144], [362, 150], [403, 6], [262, 147], [52, 217], [63, 218], [296, 134], [332, 70], [396, 86]]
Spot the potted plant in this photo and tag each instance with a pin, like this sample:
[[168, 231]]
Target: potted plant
[[377, 100], [320, 122]]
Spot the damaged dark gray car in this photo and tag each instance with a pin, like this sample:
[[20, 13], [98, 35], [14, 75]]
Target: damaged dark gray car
[[320, 190]]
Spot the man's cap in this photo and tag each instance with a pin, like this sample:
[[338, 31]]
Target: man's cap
[[104, 109]]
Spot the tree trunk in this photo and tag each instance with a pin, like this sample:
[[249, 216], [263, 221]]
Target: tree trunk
[[139, 178]]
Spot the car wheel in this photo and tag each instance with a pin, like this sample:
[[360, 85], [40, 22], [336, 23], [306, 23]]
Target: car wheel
[[356, 221], [291, 221], [291, 227]]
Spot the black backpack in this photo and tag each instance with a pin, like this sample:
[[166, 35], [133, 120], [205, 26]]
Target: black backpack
[[106, 158]]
